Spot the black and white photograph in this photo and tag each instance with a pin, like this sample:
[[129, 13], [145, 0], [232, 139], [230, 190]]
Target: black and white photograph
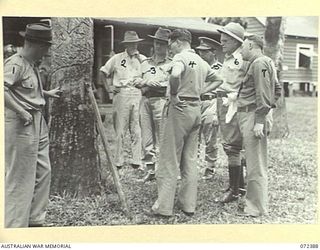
[[115, 121]]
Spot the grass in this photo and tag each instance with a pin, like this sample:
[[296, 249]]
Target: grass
[[292, 185]]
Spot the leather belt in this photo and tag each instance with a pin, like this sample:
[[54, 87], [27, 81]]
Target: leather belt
[[208, 97], [248, 108], [189, 99], [221, 94]]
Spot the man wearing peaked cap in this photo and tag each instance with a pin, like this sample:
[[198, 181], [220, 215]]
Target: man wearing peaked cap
[[232, 71], [209, 121], [28, 171], [154, 98], [122, 73]]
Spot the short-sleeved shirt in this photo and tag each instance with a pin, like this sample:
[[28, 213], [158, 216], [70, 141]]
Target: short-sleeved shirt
[[217, 68], [196, 72], [123, 68], [22, 79], [260, 86], [153, 70], [232, 71]]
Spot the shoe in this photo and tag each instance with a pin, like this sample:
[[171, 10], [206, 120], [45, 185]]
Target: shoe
[[229, 197], [245, 214], [208, 174], [152, 213], [135, 166], [242, 192], [188, 213]]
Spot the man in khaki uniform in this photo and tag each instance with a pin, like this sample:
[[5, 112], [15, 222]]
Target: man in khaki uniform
[[233, 71], [124, 71], [257, 96], [154, 98], [27, 172], [178, 147], [209, 120]]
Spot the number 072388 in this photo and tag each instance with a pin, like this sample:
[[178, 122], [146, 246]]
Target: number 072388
[[309, 246]]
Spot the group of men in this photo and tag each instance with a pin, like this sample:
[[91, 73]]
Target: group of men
[[165, 103]]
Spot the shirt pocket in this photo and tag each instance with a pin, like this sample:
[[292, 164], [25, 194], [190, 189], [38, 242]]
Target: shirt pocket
[[28, 82]]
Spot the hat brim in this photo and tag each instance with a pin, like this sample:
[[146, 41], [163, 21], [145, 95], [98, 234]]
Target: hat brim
[[157, 38], [204, 48], [216, 43], [23, 34], [132, 41], [230, 34]]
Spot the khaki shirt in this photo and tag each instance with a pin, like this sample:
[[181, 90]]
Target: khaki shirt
[[123, 68], [232, 71], [195, 73], [22, 80], [156, 71], [260, 86]]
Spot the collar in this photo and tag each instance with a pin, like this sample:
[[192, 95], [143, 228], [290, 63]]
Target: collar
[[254, 57], [129, 56], [235, 54], [153, 58], [188, 50], [31, 62]]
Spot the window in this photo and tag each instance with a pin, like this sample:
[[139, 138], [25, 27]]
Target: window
[[304, 56]]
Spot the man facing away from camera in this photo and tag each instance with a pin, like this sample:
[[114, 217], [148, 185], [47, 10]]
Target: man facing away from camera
[[178, 147], [28, 171], [257, 96], [123, 73]]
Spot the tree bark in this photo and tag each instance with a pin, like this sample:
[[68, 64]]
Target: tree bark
[[73, 148], [274, 46]]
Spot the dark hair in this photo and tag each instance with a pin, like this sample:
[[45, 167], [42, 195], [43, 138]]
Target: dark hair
[[181, 34], [256, 39]]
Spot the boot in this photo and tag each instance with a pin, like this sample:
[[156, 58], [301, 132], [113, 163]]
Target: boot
[[233, 193], [242, 188], [230, 179]]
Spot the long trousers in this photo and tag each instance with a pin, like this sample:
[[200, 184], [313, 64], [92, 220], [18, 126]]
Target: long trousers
[[27, 170], [151, 122], [126, 117], [178, 155]]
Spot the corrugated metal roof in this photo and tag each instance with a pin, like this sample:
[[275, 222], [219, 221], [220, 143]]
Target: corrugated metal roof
[[303, 26], [190, 23]]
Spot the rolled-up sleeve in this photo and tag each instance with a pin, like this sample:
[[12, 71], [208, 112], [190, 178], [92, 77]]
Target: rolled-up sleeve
[[108, 68]]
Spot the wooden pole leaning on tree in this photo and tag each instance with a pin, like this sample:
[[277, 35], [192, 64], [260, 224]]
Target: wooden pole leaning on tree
[[113, 169]]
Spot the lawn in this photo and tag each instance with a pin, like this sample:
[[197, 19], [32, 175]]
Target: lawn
[[292, 185]]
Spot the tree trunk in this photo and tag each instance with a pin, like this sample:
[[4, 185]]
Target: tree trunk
[[274, 45], [73, 149]]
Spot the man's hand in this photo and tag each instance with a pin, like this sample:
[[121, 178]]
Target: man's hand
[[115, 90], [153, 84], [54, 93], [26, 117], [258, 130], [177, 103]]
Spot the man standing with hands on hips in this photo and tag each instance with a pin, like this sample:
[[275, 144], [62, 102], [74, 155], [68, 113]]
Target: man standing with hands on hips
[[257, 96], [178, 147], [28, 171]]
